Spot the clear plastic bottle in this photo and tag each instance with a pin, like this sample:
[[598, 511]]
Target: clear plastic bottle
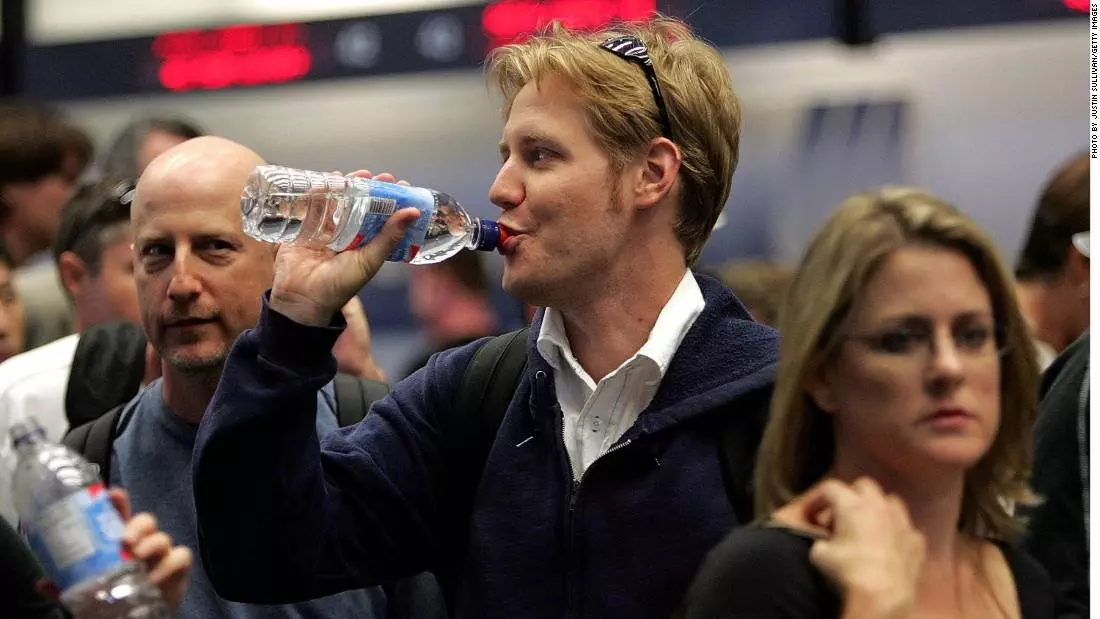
[[325, 209], [75, 532]]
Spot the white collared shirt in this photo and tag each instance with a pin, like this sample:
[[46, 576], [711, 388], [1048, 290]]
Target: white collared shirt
[[596, 415], [33, 383]]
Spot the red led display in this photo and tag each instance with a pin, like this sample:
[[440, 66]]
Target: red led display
[[234, 56], [507, 21], [1077, 5]]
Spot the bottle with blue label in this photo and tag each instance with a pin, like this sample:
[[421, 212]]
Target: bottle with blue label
[[319, 209], [75, 532]]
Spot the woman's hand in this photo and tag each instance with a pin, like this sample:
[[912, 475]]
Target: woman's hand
[[873, 553]]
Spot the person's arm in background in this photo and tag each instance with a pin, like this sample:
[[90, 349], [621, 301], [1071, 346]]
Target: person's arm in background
[[353, 347]]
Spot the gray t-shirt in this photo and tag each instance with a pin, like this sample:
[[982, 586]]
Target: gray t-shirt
[[151, 459]]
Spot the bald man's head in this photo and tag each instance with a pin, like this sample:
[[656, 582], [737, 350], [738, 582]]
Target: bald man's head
[[205, 167], [200, 278]]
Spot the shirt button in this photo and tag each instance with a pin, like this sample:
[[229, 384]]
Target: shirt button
[[596, 424]]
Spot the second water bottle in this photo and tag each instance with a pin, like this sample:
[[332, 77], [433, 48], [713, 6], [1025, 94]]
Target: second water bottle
[[75, 531]]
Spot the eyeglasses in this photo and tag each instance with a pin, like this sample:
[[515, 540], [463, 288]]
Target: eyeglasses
[[633, 50], [971, 341]]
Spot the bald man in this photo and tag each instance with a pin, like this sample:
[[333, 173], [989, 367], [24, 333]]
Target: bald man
[[199, 280]]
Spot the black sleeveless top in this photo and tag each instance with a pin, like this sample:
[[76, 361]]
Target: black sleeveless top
[[764, 572]]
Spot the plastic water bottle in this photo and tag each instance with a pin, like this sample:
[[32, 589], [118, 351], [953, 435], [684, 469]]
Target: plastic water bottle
[[75, 532], [319, 209]]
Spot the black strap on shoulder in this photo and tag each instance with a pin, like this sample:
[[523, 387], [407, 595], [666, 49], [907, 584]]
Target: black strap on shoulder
[[94, 440], [354, 397], [488, 386], [487, 389], [739, 436]]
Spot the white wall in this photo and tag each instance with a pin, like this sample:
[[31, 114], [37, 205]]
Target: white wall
[[994, 111]]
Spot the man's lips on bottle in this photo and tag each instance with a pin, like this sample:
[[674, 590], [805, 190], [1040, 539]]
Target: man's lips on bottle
[[510, 238]]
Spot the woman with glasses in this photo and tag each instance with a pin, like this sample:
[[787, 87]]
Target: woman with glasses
[[900, 430]]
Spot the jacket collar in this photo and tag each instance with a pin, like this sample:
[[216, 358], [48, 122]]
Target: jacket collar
[[724, 356]]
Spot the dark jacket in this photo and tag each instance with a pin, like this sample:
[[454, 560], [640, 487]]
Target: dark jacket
[[1057, 535], [283, 517]]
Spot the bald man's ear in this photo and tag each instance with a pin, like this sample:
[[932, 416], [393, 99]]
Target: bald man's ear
[[73, 272]]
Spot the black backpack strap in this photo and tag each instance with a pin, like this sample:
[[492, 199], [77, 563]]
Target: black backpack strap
[[487, 389], [739, 436], [94, 440], [354, 397], [488, 386], [350, 407]]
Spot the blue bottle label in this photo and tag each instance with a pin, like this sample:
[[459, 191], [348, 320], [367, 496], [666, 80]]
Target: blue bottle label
[[78, 537], [384, 200]]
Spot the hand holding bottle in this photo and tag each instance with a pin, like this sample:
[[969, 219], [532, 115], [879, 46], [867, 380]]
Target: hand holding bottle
[[312, 283], [168, 567]]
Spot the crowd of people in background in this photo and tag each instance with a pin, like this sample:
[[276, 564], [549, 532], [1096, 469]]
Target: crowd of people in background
[[895, 426]]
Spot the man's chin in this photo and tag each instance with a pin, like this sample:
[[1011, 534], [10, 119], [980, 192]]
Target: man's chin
[[192, 362]]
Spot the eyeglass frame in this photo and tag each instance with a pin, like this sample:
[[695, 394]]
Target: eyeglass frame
[[928, 347], [631, 49]]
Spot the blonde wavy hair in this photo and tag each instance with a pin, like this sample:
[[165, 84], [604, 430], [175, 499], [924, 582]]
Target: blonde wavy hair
[[798, 445], [621, 112]]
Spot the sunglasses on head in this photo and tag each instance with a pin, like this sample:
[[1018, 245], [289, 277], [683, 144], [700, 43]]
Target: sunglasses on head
[[631, 49]]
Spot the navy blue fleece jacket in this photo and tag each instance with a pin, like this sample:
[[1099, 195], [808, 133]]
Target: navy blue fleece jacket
[[284, 517]]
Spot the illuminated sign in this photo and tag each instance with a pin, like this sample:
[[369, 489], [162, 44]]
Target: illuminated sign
[[452, 38], [235, 56], [507, 21]]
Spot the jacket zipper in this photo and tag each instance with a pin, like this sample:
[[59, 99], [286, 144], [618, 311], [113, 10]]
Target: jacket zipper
[[572, 586]]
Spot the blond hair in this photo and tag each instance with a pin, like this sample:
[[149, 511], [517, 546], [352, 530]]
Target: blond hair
[[622, 113], [798, 445]]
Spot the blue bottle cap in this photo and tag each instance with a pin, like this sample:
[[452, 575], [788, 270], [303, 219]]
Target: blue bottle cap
[[489, 235]]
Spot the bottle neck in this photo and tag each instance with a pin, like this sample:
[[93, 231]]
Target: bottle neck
[[25, 437], [476, 234], [484, 236]]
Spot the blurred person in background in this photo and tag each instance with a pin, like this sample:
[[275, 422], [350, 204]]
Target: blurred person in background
[[1052, 276], [598, 484], [12, 311], [353, 351], [11, 344], [1058, 528], [42, 155], [902, 416], [92, 251], [140, 141], [759, 285], [451, 302]]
